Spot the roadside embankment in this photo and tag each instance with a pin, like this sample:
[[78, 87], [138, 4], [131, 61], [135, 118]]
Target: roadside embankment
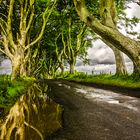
[[128, 84]]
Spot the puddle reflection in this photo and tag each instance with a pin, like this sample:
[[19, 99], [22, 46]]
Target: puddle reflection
[[33, 117]]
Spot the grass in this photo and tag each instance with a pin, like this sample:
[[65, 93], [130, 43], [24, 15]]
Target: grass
[[11, 90], [125, 81]]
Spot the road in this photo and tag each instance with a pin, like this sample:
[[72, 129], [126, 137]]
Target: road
[[95, 114]]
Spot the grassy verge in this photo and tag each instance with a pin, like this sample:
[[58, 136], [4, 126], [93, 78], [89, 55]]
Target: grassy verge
[[127, 81], [11, 90]]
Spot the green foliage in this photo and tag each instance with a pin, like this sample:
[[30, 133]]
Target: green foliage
[[11, 90], [45, 56]]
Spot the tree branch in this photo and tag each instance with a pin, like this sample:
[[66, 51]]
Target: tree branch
[[79, 37], [6, 46], [31, 17], [3, 30], [9, 24], [35, 129], [2, 51], [45, 20], [64, 44]]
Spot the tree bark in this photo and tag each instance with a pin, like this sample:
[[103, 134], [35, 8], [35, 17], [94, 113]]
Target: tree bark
[[120, 63], [111, 34], [72, 65], [16, 47], [62, 69], [136, 64], [59, 55], [18, 66]]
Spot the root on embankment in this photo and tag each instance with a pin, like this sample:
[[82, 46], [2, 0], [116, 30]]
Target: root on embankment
[[13, 127], [31, 117]]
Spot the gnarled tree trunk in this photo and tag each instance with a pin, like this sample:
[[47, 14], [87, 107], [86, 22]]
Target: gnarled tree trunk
[[120, 63], [18, 66], [16, 47], [62, 69], [108, 31], [72, 65]]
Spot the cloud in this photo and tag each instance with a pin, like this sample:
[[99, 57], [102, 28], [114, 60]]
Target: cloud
[[5, 67], [102, 60], [79, 62], [100, 53], [133, 10]]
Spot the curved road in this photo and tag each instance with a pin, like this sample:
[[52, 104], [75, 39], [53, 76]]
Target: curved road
[[95, 114]]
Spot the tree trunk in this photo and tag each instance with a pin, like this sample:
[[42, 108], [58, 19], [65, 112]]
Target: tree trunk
[[120, 64], [72, 62], [62, 69], [18, 42], [18, 67], [71, 68], [136, 64], [72, 65], [128, 46], [111, 34]]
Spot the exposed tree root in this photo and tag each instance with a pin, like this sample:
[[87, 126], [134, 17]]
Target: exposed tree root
[[37, 131], [20, 123]]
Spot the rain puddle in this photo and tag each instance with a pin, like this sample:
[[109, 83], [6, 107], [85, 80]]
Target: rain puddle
[[109, 97], [106, 96], [33, 117], [64, 85]]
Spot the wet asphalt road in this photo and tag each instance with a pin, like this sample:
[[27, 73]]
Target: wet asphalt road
[[95, 114]]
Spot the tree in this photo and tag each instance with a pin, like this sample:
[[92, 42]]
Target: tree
[[119, 58], [120, 63], [17, 42], [60, 53], [106, 28], [73, 43], [66, 34], [73, 33]]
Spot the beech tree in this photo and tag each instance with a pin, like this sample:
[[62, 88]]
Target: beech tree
[[66, 34], [119, 59], [72, 33], [106, 28], [17, 42], [73, 43]]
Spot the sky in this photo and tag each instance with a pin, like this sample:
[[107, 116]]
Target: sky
[[101, 57]]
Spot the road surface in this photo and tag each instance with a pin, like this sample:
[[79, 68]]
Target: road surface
[[95, 114]]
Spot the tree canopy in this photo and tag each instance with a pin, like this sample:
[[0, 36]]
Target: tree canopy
[[39, 36]]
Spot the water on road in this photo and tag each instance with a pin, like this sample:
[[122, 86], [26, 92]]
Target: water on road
[[33, 117], [89, 114], [95, 114]]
